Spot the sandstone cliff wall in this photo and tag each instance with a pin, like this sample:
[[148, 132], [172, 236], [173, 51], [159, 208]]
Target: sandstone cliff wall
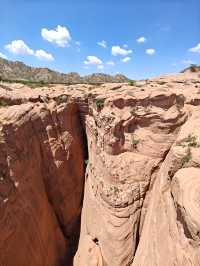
[[138, 197]]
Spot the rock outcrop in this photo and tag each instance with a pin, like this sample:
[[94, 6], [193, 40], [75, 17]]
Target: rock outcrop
[[127, 157], [41, 183]]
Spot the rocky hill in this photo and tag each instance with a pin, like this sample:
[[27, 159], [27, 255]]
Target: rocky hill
[[101, 175], [192, 69], [10, 70]]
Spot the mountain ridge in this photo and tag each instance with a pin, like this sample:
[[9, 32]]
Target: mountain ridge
[[18, 71]]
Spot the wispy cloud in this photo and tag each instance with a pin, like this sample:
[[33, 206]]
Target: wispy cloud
[[126, 59], [150, 51], [78, 43], [117, 50], [195, 49], [141, 39], [78, 46], [42, 55], [60, 36], [102, 44], [100, 67], [110, 63], [3, 56], [93, 60]]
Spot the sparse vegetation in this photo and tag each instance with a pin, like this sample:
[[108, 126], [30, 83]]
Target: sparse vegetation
[[189, 141], [134, 110], [100, 103], [86, 162], [3, 103], [116, 190], [135, 142], [186, 158], [132, 82], [95, 132], [31, 84], [61, 99]]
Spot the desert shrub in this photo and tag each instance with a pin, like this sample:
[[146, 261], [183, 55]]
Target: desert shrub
[[186, 158], [3, 103], [61, 99], [132, 82], [189, 141], [135, 142], [95, 132], [30, 83], [100, 103]]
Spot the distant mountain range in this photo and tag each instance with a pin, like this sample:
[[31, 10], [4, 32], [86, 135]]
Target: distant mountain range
[[18, 71]]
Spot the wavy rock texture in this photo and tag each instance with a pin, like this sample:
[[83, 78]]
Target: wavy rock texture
[[141, 193]]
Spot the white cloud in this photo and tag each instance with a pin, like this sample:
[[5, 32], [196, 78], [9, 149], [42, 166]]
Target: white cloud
[[41, 54], [102, 44], [150, 51], [117, 50], [126, 59], [61, 36], [141, 39], [100, 67], [195, 49], [110, 63], [19, 47], [125, 45], [93, 60], [3, 56]]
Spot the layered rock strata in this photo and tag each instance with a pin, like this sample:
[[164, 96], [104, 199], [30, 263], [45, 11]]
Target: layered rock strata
[[132, 151]]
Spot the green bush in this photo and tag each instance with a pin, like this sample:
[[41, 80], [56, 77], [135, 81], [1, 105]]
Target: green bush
[[135, 142], [189, 141], [3, 103], [132, 82], [100, 103]]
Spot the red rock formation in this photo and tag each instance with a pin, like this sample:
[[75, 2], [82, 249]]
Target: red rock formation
[[141, 198], [42, 175]]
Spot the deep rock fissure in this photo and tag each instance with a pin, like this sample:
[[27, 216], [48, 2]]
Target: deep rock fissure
[[108, 207]]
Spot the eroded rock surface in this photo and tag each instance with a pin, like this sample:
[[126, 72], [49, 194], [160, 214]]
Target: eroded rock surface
[[41, 183], [141, 188]]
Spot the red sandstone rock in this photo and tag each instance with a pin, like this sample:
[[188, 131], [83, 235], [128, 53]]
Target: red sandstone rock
[[41, 183], [141, 199]]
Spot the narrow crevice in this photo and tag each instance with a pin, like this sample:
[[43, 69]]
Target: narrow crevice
[[74, 242]]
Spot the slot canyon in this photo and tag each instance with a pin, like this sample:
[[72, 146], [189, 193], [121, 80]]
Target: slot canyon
[[101, 175]]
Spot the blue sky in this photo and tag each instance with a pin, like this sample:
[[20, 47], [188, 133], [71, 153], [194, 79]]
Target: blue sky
[[142, 38]]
